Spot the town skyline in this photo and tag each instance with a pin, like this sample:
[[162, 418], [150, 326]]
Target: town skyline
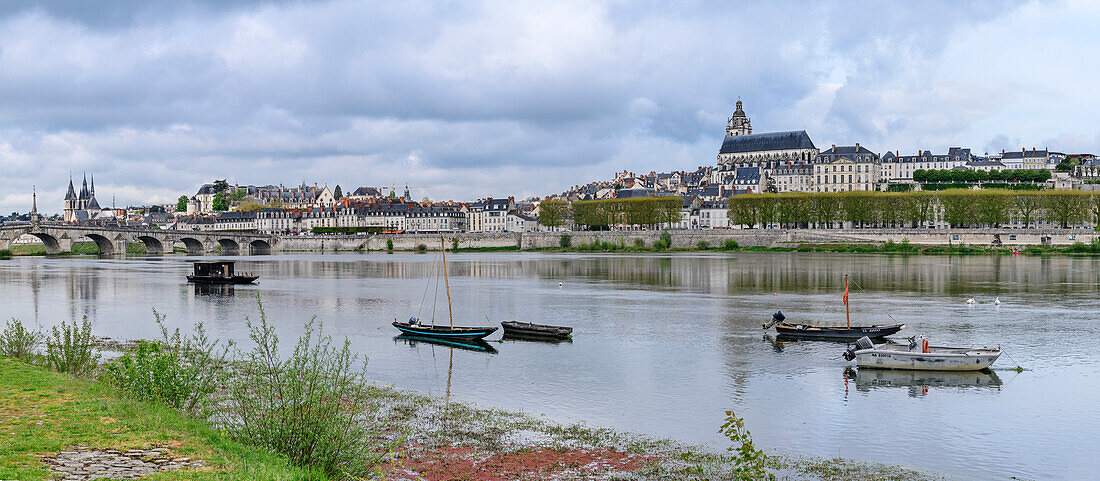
[[518, 109]]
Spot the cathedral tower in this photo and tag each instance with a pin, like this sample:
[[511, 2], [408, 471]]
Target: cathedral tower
[[738, 124]]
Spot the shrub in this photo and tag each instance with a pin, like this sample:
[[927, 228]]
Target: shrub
[[5, 253], [639, 242], [421, 248], [309, 406], [17, 341], [71, 348], [703, 245], [389, 244], [749, 462], [202, 362], [454, 243], [730, 245], [150, 373], [664, 242], [565, 241]]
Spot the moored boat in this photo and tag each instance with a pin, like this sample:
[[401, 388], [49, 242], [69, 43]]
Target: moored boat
[[847, 332], [416, 328], [919, 355], [536, 331], [220, 272]]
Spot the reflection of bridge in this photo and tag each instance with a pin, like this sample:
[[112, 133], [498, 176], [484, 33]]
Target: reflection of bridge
[[59, 238]]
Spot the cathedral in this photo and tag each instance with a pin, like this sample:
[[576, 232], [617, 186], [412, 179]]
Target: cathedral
[[82, 206], [743, 149]]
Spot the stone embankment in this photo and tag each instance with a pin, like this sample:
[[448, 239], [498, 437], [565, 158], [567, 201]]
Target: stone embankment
[[691, 238]]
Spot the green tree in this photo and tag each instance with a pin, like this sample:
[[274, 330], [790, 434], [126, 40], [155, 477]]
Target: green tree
[[1025, 206], [668, 209], [338, 193], [237, 195], [220, 202], [1065, 208], [742, 210], [553, 213], [957, 206], [993, 207], [825, 209], [181, 204], [220, 186]]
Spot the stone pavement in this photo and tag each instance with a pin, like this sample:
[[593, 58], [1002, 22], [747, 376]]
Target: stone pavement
[[83, 464]]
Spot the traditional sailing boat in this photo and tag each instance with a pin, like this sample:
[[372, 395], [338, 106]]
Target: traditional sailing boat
[[832, 333], [415, 328]]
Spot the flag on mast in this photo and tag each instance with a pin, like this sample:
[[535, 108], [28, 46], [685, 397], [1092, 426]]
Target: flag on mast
[[845, 292]]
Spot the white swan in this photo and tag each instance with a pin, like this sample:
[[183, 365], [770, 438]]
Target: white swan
[[970, 301], [559, 284], [997, 302]]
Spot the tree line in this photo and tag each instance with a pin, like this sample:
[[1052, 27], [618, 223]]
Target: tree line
[[601, 214], [960, 175], [956, 207]]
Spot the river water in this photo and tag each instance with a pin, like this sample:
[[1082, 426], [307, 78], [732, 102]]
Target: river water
[[664, 344]]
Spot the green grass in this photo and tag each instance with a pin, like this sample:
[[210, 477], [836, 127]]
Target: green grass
[[45, 412]]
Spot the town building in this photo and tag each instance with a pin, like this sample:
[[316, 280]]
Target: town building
[[846, 169]]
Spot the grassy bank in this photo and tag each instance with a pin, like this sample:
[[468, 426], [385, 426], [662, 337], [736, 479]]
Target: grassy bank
[[78, 249], [46, 412]]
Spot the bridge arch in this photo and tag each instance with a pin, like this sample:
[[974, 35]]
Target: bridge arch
[[194, 246], [106, 248], [51, 243], [259, 247], [152, 244], [230, 247]]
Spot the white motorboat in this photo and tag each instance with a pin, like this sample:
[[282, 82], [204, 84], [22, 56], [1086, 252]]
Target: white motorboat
[[919, 355]]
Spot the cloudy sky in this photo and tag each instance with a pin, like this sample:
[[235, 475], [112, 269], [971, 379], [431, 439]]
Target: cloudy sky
[[478, 98]]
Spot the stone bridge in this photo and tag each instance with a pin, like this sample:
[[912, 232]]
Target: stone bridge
[[59, 238]]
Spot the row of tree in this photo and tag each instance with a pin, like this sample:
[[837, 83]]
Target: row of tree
[[601, 214], [956, 207], [960, 175]]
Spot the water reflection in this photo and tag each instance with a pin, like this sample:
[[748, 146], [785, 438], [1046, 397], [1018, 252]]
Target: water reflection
[[465, 344], [223, 290], [919, 382]]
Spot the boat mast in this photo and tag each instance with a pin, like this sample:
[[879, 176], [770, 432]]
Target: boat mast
[[447, 281], [847, 312]]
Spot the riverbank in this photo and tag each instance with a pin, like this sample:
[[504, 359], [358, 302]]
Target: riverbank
[[47, 415]]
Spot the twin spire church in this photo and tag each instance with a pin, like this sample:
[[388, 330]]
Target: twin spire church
[[82, 206]]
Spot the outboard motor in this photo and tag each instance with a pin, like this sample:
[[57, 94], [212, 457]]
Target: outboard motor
[[776, 318], [861, 344]]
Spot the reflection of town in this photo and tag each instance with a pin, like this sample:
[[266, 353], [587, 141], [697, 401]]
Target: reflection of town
[[742, 273]]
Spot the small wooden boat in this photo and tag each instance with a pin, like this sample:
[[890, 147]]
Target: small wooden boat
[[919, 355], [220, 272], [847, 332], [415, 328], [536, 331]]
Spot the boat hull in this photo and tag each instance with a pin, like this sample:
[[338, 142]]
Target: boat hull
[[222, 280], [958, 360], [445, 332], [835, 333], [536, 331]]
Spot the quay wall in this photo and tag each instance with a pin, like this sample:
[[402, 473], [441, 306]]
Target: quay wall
[[691, 238]]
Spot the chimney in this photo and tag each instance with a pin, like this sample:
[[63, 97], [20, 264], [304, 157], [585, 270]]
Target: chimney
[[857, 145]]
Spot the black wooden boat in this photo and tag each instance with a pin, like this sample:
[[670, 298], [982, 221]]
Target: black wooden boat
[[220, 272], [415, 328], [847, 332], [466, 344], [835, 333], [536, 331]]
